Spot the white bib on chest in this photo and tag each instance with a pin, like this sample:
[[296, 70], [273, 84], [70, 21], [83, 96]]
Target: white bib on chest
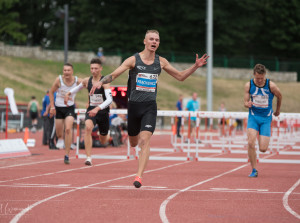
[[96, 99], [146, 82], [261, 101]]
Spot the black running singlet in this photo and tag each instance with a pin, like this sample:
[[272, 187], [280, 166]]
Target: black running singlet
[[142, 80], [97, 98]]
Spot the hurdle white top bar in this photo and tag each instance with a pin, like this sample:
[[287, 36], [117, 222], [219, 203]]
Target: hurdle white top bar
[[201, 114]]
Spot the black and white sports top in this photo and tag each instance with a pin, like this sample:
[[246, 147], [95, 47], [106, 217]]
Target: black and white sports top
[[97, 98], [142, 80]]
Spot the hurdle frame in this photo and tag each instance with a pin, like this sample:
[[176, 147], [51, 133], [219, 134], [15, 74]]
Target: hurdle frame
[[198, 146]]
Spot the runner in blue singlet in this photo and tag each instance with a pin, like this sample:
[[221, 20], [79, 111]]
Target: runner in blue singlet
[[258, 97]]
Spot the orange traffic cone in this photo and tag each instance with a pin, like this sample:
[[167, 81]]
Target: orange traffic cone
[[26, 135]]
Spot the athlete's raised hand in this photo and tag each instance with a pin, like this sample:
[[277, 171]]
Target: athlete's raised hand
[[97, 85], [201, 61]]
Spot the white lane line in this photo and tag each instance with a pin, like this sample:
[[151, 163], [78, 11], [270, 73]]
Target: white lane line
[[45, 161], [162, 209], [42, 185], [239, 189], [26, 164], [68, 170], [37, 186], [25, 210], [148, 188], [130, 187], [285, 200], [62, 171]]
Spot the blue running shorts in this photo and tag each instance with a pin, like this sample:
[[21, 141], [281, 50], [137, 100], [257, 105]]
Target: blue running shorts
[[262, 124]]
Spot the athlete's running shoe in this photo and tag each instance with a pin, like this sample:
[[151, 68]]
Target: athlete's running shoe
[[66, 160], [88, 161], [254, 173], [33, 129], [60, 144], [137, 182]]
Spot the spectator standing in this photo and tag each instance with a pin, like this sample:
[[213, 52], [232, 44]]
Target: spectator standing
[[46, 121], [52, 130], [193, 105], [222, 121], [101, 55], [33, 112], [179, 108]]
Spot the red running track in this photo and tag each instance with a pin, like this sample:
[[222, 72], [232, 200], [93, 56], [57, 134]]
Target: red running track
[[41, 188]]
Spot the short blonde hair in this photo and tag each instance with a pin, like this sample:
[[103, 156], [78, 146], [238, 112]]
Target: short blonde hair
[[151, 31]]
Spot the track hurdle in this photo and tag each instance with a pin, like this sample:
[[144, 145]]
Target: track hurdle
[[230, 145], [11, 147], [197, 148], [81, 116]]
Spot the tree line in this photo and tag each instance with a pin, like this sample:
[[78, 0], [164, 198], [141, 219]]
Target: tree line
[[264, 28]]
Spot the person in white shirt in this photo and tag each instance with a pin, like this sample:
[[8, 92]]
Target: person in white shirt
[[64, 114]]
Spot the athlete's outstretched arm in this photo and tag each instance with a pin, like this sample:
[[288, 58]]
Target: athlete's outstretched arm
[[182, 75], [275, 90], [82, 84], [127, 64]]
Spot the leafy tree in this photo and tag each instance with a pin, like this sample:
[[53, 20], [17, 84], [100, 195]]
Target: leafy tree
[[282, 27], [39, 17], [257, 27], [10, 26], [264, 28]]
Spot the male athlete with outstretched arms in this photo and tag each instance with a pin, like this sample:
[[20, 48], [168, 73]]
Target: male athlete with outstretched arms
[[144, 70]]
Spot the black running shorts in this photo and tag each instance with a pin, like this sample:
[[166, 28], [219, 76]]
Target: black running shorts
[[33, 115], [63, 112], [141, 117], [101, 119]]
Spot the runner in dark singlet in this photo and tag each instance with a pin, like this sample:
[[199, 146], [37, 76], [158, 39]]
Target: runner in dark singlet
[[145, 68], [98, 110]]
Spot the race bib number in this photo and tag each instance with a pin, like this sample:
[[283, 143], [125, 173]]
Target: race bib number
[[146, 82], [62, 93], [261, 101], [96, 99]]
